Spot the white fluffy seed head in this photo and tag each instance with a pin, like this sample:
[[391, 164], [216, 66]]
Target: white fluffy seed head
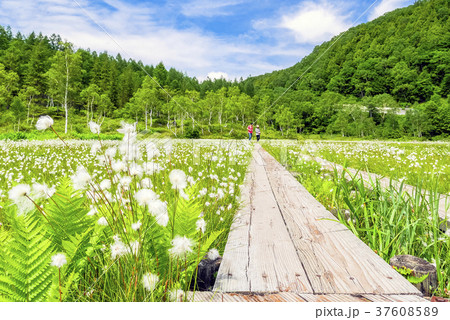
[[178, 180], [145, 196], [127, 128], [105, 184], [149, 281], [42, 191], [162, 219], [19, 191], [136, 226], [176, 295], [181, 246], [81, 178], [213, 254], [157, 208], [201, 225], [58, 260], [146, 183], [44, 122], [94, 127], [95, 148], [118, 166], [111, 152], [136, 170], [118, 249]]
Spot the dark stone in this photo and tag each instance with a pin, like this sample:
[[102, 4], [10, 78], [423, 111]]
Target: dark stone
[[206, 274]]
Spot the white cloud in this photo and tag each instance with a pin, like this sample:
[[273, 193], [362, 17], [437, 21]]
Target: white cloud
[[315, 22], [388, 5], [208, 8], [218, 75]]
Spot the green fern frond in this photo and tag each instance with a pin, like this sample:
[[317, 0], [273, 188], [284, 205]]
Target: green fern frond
[[185, 218], [27, 274], [67, 214], [78, 248], [156, 245]]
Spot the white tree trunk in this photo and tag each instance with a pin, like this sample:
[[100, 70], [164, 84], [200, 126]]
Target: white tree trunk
[[66, 93], [146, 112], [151, 118]]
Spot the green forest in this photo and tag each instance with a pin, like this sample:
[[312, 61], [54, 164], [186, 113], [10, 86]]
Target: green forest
[[388, 78]]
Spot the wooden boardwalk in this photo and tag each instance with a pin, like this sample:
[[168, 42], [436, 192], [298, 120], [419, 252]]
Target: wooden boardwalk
[[285, 246], [385, 182]]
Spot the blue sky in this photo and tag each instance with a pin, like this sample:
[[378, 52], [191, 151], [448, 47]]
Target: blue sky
[[229, 38]]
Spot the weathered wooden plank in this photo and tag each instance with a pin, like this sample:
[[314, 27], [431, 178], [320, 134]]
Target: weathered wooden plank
[[406, 298], [232, 274], [333, 298], [394, 298], [335, 260], [273, 263], [236, 297], [292, 297]]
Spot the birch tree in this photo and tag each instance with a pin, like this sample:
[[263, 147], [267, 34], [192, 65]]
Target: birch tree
[[64, 77]]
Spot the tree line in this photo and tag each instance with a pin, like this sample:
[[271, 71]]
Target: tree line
[[400, 60]]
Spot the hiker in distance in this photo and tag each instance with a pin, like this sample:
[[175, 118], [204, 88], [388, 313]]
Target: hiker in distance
[[257, 132], [250, 131]]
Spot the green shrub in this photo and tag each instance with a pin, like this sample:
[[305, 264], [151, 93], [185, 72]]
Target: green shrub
[[190, 133]]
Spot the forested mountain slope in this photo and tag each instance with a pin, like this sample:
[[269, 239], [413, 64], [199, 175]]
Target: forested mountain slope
[[405, 53], [399, 59]]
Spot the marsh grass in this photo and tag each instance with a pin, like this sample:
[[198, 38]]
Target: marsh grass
[[389, 220]]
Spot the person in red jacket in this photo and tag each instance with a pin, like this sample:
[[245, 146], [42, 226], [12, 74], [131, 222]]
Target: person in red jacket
[[250, 131]]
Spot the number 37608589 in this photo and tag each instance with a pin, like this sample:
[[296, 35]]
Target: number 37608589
[[407, 311]]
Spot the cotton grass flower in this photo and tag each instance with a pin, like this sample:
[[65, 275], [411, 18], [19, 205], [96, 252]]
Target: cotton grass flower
[[136, 170], [44, 122], [105, 184], [180, 246], [40, 191], [176, 295], [24, 206], [118, 166], [19, 191], [125, 181], [158, 209], [162, 219], [58, 260], [201, 225], [145, 196], [95, 148], [149, 281], [94, 127], [177, 178], [81, 178], [136, 226], [213, 254], [146, 183], [152, 151], [118, 249], [127, 128], [111, 152]]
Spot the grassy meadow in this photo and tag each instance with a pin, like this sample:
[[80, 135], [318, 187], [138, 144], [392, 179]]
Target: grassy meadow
[[112, 220]]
